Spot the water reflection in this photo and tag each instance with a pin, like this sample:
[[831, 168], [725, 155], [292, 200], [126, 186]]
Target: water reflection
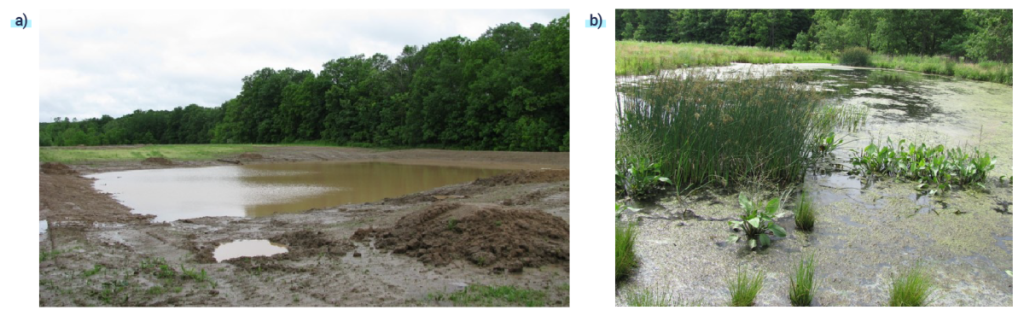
[[266, 189]]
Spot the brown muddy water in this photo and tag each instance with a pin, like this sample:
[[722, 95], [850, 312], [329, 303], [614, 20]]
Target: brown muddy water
[[265, 189], [867, 229]]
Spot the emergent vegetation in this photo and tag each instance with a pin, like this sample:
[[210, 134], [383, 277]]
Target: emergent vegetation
[[805, 214], [745, 287], [506, 90], [911, 287], [700, 130], [935, 168], [625, 241], [756, 222], [801, 283]]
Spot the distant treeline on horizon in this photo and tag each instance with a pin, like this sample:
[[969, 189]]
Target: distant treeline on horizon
[[978, 35], [506, 90]]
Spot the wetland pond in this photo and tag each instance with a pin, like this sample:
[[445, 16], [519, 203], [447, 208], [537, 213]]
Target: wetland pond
[[866, 229], [265, 189]]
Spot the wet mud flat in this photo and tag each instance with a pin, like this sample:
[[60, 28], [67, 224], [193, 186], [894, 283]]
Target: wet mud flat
[[867, 227], [95, 252]]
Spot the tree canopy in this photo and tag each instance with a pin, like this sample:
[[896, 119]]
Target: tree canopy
[[506, 90]]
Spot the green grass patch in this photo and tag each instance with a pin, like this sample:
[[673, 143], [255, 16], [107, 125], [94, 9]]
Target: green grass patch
[[935, 168], [801, 283], [804, 214], [80, 155], [700, 130], [744, 288], [647, 298], [480, 295], [625, 255], [645, 58], [911, 287]]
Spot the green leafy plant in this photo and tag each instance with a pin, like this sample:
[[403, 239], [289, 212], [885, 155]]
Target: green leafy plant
[[625, 256], [805, 214], [934, 168], [801, 283], [640, 178], [910, 287], [756, 222], [744, 288]]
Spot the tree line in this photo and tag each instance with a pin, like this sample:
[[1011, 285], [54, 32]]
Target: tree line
[[979, 35], [506, 90]]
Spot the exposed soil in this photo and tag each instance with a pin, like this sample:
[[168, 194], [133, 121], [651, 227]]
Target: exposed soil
[[157, 161], [394, 252], [496, 237]]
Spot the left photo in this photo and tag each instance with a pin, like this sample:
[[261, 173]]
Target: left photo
[[345, 158]]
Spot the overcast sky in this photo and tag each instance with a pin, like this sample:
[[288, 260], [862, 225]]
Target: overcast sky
[[110, 62]]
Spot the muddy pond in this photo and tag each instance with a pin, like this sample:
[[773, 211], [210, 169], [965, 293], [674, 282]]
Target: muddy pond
[[867, 229], [274, 188]]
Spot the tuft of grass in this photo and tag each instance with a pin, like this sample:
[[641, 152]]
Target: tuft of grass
[[745, 287], [625, 256], [480, 295], [801, 283], [910, 287], [647, 298], [855, 56], [805, 214]]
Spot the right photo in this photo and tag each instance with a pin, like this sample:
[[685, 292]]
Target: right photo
[[813, 157]]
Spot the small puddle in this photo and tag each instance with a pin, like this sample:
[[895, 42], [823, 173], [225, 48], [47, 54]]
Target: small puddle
[[42, 230], [247, 248], [266, 189]]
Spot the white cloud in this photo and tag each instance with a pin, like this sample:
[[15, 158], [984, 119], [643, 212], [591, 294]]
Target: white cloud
[[114, 62]]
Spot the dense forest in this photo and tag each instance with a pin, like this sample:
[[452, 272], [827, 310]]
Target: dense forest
[[978, 35], [506, 90]]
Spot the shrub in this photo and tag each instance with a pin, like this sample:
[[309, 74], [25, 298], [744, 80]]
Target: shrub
[[855, 56]]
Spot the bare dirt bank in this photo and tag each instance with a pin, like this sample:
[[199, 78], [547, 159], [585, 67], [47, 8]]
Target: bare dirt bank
[[96, 252]]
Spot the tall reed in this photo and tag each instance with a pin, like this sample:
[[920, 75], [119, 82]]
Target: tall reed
[[708, 130]]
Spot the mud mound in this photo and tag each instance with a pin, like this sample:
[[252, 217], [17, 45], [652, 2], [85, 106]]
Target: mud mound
[[525, 176], [56, 168], [306, 243], [253, 156], [508, 239], [157, 161]]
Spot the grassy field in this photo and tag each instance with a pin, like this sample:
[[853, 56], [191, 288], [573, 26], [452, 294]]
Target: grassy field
[[644, 58], [120, 153]]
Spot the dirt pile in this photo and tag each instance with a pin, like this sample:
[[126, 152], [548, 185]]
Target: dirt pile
[[507, 239], [525, 176], [56, 168], [307, 243], [157, 161]]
